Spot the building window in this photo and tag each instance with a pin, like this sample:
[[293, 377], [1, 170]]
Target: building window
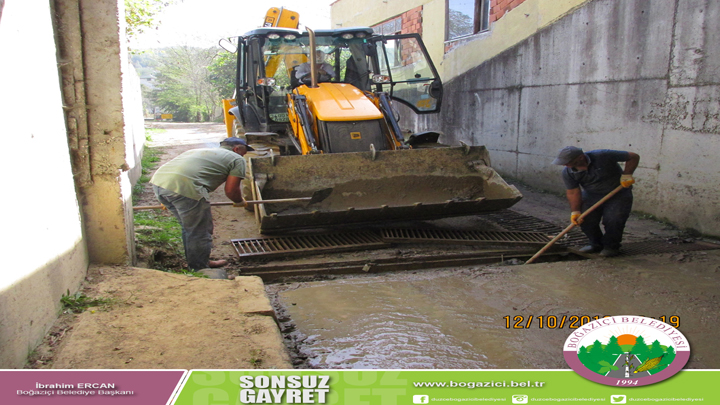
[[391, 27], [467, 17]]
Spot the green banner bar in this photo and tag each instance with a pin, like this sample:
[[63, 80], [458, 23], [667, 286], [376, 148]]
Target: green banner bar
[[391, 387]]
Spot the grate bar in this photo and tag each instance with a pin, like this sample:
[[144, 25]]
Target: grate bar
[[307, 244], [517, 222], [464, 237]]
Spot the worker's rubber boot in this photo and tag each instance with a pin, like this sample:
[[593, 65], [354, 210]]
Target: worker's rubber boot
[[590, 249], [609, 252]]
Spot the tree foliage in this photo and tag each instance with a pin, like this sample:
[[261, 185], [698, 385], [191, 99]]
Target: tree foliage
[[141, 14], [183, 85], [222, 73], [613, 347], [459, 24], [641, 349]]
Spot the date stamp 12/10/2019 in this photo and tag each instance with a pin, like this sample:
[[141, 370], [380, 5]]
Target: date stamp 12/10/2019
[[567, 321]]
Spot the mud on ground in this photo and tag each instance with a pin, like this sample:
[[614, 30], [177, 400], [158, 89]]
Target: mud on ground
[[158, 319]]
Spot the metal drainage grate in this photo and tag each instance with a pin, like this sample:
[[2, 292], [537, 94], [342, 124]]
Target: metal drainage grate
[[464, 237], [515, 221], [307, 244]]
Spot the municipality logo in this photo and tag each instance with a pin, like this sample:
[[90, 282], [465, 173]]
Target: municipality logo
[[626, 351]]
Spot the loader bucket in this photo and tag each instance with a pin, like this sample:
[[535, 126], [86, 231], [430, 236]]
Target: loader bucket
[[383, 186]]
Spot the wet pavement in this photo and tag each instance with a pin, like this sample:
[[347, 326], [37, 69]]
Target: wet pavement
[[479, 318]]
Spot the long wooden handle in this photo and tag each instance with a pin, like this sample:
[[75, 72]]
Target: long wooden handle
[[571, 226], [250, 202], [256, 202]]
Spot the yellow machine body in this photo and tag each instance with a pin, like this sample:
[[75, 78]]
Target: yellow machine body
[[341, 131]]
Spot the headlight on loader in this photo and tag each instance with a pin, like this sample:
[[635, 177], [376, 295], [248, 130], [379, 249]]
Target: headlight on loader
[[266, 81], [379, 79]]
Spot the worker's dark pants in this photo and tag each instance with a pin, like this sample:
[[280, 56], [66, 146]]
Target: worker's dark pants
[[613, 214], [195, 218]]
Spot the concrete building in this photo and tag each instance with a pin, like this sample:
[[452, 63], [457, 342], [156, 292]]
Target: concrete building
[[70, 113], [527, 77]]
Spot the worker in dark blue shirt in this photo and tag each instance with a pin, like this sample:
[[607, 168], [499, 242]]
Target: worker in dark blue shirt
[[590, 176]]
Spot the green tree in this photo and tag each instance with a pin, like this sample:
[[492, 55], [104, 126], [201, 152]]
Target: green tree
[[596, 355], [613, 347], [641, 349], [222, 73], [597, 348], [584, 356], [669, 356], [656, 349], [183, 86], [141, 14]]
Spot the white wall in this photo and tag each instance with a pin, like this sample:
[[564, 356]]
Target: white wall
[[50, 221], [43, 247]]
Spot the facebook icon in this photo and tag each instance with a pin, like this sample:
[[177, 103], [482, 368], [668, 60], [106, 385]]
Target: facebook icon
[[421, 399]]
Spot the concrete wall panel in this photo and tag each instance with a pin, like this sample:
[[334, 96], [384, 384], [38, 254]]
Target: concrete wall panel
[[696, 49], [505, 162], [485, 118], [689, 180], [496, 123], [506, 70], [537, 172], [105, 200], [591, 116], [692, 109], [603, 41]]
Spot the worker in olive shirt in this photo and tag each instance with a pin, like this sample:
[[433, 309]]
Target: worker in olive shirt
[[183, 186], [590, 176]]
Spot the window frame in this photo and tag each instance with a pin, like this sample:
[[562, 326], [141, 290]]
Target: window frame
[[481, 19]]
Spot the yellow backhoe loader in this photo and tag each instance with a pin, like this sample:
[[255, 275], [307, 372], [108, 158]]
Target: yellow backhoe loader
[[318, 108]]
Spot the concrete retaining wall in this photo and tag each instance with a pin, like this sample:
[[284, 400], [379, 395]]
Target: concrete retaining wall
[[621, 74]]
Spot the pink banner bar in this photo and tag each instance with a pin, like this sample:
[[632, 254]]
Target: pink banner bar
[[80, 387]]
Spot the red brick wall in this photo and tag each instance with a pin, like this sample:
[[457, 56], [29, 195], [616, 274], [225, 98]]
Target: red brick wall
[[498, 8], [410, 22]]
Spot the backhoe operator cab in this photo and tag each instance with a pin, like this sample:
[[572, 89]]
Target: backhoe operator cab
[[360, 71]]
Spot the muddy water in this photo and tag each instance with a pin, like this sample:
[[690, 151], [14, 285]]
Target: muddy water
[[425, 320], [452, 319]]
